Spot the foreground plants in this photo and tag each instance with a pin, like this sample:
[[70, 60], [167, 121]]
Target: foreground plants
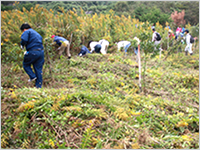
[[100, 106]]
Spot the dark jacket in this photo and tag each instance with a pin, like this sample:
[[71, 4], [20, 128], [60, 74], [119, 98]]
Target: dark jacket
[[31, 39], [84, 50]]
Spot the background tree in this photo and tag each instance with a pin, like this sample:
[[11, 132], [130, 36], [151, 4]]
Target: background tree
[[178, 18], [121, 7], [144, 13], [133, 8]]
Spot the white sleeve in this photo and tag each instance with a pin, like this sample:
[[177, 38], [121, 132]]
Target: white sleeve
[[91, 48]]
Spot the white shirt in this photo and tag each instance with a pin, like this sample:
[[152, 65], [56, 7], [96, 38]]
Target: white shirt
[[154, 36], [122, 44], [187, 39], [104, 43], [92, 45]]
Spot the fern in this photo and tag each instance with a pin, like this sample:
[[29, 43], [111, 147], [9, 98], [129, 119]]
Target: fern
[[87, 137]]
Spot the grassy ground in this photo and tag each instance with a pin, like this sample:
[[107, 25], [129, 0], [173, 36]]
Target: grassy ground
[[95, 102]]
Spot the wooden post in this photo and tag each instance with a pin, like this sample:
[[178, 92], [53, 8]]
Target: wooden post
[[139, 65], [167, 41], [70, 39]]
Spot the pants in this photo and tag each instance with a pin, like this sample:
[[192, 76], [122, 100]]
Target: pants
[[188, 48], [136, 50], [64, 47], [157, 43], [177, 35], [35, 58], [97, 48], [126, 47]]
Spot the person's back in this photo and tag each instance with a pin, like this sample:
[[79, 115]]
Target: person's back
[[155, 39], [93, 44], [156, 36], [32, 40], [59, 40], [178, 29], [103, 41], [122, 44]]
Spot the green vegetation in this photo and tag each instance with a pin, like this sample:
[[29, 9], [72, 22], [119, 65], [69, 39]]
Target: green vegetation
[[94, 102]]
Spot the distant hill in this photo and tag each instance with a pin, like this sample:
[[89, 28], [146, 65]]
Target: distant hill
[[134, 8]]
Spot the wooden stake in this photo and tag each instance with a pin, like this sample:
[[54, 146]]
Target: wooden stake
[[167, 41], [139, 65]]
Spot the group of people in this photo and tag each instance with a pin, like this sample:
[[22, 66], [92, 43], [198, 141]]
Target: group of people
[[34, 54], [98, 47], [180, 32]]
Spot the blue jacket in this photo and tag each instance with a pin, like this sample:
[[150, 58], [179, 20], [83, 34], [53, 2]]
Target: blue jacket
[[84, 50], [58, 40], [31, 39]]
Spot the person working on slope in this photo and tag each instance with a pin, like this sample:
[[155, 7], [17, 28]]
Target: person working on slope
[[84, 50], [156, 38], [188, 48], [178, 31], [34, 54], [124, 45], [64, 45]]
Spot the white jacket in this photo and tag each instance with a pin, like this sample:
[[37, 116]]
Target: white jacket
[[189, 45], [187, 39], [92, 45], [122, 44], [104, 46], [154, 36]]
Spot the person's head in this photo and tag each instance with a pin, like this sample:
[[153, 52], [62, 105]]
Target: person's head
[[25, 26], [186, 31], [153, 29], [170, 31]]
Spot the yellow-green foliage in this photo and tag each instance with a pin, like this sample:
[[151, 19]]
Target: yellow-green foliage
[[83, 26], [95, 101]]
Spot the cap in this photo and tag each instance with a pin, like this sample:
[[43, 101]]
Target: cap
[[52, 36], [187, 30], [170, 31]]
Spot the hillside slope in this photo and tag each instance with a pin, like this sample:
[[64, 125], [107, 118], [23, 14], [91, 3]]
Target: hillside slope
[[95, 102]]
